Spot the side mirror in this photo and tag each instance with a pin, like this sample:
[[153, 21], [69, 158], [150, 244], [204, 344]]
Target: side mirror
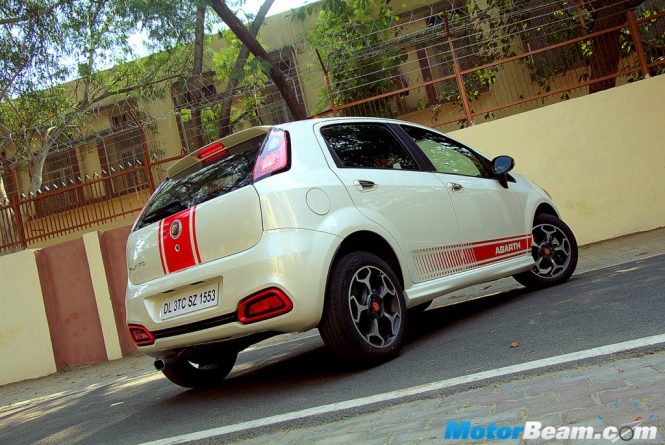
[[502, 165]]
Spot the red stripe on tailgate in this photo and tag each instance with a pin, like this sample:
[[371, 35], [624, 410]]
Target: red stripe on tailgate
[[175, 235], [161, 249], [195, 240]]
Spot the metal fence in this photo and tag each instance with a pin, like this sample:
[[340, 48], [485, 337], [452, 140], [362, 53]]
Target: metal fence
[[454, 88], [466, 95], [78, 205]]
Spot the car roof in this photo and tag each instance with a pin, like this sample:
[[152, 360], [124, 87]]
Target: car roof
[[323, 120]]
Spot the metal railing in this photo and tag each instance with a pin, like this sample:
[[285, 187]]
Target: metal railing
[[509, 91], [78, 205]]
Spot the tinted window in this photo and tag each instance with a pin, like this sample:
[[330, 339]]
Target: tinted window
[[446, 155], [223, 176], [367, 146]]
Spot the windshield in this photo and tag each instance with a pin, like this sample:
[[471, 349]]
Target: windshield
[[217, 179]]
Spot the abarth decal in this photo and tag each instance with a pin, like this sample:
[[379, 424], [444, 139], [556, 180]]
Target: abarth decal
[[445, 260]]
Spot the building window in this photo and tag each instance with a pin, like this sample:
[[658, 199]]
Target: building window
[[195, 93], [274, 109], [122, 148], [61, 169]]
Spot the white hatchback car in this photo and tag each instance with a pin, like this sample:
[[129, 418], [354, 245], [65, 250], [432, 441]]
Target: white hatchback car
[[350, 225]]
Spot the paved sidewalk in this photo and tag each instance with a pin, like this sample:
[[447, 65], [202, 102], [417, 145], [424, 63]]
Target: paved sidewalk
[[614, 392], [593, 256]]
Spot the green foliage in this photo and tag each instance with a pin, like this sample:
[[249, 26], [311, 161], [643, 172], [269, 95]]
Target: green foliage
[[652, 34], [32, 115], [33, 37], [352, 35], [83, 39], [251, 80]]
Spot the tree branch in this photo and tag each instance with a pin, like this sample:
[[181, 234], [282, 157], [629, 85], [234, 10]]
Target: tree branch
[[236, 26], [236, 71], [31, 14]]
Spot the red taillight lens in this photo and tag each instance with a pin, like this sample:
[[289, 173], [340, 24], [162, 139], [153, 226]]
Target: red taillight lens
[[273, 156], [263, 305], [140, 335], [212, 152]]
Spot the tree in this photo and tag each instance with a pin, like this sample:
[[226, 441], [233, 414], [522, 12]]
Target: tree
[[245, 36], [355, 38], [606, 50], [36, 116], [32, 39], [236, 72], [194, 84]]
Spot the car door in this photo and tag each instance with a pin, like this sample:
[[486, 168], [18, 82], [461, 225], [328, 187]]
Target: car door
[[490, 216], [388, 186]]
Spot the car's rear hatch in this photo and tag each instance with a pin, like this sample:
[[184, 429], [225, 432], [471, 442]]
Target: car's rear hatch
[[206, 209]]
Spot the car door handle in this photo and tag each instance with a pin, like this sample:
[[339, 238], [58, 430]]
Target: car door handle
[[364, 185], [455, 186]]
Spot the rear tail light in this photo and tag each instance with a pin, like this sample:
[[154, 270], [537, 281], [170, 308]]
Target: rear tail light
[[140, 335], [263, 305], [212, 152], [273, 156]]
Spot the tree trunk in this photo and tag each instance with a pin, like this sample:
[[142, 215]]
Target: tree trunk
[[45, 148], [3, 192], [606, 52], [195, 84], [8, 223], [236, 72], [38, 168], [296, 108]]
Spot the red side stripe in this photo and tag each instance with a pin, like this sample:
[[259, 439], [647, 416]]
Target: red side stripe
[[508, 238], [461, 257], [494, 260]]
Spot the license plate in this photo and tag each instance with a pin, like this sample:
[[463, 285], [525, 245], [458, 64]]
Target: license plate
[[191, 301]]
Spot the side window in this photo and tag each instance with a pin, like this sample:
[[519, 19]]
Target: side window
[[367, 146], [446, 155]]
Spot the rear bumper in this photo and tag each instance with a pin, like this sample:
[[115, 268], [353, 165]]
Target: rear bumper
[[293, 260]]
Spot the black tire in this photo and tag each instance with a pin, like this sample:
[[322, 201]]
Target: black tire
[[190, 374], [352, 310], [555, 252]]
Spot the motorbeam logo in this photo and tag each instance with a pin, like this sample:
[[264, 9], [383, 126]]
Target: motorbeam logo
[[535, 430]]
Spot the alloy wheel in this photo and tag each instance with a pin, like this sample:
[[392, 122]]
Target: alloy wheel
[[374, 306], [551, 250]]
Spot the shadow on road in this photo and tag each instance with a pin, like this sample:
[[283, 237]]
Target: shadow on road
[[311, 363]]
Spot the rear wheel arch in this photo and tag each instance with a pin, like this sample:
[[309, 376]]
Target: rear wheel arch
[[368, 241]]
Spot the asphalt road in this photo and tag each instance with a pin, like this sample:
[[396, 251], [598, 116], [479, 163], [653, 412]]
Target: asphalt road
[[597, 308]]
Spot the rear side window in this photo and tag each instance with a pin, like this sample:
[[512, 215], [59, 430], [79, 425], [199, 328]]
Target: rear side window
[[221, 177], [367, 146]]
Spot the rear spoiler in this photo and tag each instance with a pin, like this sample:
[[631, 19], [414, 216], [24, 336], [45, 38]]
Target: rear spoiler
[[192, 161]]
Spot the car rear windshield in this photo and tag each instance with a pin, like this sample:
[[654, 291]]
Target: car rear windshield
[[221, 177]]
